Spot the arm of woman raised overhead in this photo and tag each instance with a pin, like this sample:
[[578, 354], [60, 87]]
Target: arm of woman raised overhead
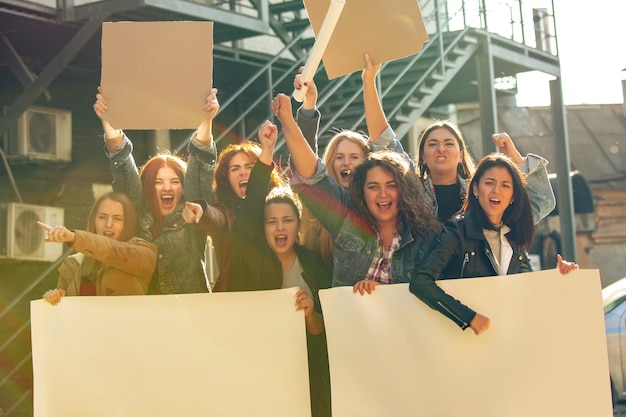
[[198, 183], [303, 157], [119, 150], [540, 191], [375, 117], [381, 135], [308, 116]]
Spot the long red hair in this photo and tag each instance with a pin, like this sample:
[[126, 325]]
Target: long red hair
[[148, 176]]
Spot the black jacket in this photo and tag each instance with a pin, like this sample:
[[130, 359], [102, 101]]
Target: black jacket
[[461, 251], [254, 266]]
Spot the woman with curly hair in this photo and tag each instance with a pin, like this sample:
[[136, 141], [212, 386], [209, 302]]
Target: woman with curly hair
[[382, 227]]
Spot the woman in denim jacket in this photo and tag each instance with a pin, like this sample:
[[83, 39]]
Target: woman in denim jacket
[[159, 191], [381, 229]]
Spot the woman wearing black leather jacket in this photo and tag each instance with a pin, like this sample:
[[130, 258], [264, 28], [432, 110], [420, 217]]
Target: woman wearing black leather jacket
[[491, 238]]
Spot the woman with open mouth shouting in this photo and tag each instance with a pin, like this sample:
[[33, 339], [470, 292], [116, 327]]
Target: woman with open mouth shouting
[[109, 259], [491, 238], [266, 255], [381, 227], [345, 151], [158, 191]]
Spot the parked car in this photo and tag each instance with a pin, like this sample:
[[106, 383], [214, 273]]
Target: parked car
[[614, 298]]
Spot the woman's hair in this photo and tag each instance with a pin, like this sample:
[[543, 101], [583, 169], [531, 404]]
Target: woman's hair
[[465, 168], [284, 194], [518, 216], [89, 266], [331, 149], [313, 234], [148, 174], [130, 215], [224, 193], [415, 208]]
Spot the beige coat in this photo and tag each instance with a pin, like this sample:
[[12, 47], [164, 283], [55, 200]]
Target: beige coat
[[127, 266]]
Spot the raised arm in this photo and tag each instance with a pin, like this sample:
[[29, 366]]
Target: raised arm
[[112, 137], [540, 191], [374, 114], [119, 150], [308, 116], [302, 155], [202, 154]]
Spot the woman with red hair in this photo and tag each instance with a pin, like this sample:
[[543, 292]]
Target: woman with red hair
[[159, 191]]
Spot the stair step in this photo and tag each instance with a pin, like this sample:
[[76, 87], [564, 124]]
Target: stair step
[[286, 6], [296, 25]]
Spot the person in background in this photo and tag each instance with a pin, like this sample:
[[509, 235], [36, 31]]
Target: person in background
[[381, 228], [445, 166], [109, 259], [266, 255], [345, 151], [158, 191], [490, 238], [232, 173]]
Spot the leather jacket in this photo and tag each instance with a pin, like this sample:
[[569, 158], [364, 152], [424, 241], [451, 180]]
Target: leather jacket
[[462, 251]]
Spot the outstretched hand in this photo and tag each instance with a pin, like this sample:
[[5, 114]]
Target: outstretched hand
[[480, 324], [370, 70], [304, 302], [54, 296], [57, 233], [192, 212], [505, 145], [101, 106], [365, 286], [310, 98], [268, 133], [212, 105], [281, 107], [565, 267]]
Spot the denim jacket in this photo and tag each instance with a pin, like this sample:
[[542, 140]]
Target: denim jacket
[[181, 259], [540, 192], [354, 243]]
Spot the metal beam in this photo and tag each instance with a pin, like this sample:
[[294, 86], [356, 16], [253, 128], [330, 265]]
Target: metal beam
[[486, 96], [17, 65], [54, 68], [565, 198]]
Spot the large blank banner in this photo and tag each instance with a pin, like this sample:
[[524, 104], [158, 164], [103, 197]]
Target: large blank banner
[[223, 354], [544, 355]]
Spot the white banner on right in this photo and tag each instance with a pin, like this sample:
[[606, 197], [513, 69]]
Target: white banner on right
[[544, 355]]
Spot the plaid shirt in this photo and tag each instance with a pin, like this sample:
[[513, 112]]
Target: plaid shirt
[[380, 268]]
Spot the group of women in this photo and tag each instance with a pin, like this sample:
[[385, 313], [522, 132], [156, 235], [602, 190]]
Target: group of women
[[371, 216]]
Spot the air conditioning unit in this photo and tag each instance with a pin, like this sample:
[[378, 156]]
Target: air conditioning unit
[[40, 134], [21, 238]]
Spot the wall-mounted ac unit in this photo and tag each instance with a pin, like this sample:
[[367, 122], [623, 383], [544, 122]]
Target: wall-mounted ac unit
[[21, 238], [40, 134]]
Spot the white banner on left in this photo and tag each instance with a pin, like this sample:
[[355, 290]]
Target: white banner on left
[[234, 354]]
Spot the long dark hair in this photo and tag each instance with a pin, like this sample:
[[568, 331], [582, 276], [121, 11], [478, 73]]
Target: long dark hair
[[148, 176], [224, 193], [465, 168], [416, 210], [518, 216]]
